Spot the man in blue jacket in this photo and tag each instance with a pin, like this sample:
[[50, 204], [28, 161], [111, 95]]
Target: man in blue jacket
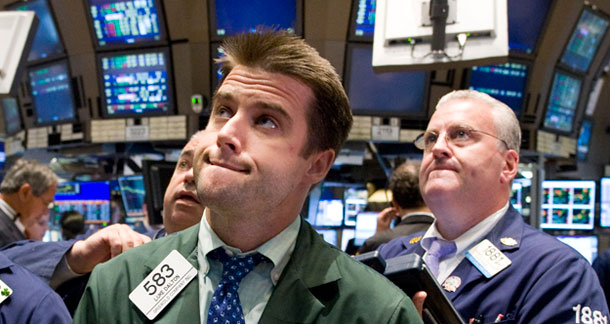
[[492, 266]]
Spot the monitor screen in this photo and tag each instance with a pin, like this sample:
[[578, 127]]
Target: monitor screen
[[329, 235], [136, 83], [585, 245], [216, 73], [585, 40], [506, 82], [362, 20], [92, 199], [346, 235], [329, 213], [584, 140], [383, 94], [132, 192], [12, 117], [46, 42], [355, 202], [366, 225], [232, 17], [562, 102], [516, 198], [52, 95], [126, 22], [2, 155], [568, 204], [604, 202], [525, 21], [157, 175]]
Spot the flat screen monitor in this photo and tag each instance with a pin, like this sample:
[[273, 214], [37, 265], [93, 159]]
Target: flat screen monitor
[[47, 43], [329, 213], [120, 23], [562, 103], [584, 41], [12, 117], [346, 235], [399, 94], [52, 94], [136, 83], [584, 140], [157, 175], [232, 17], [355, 202], [132, 192], [92, 199], [362, 20], [329, 235], [568, 204], [366, 225], [526, 19], [585, 245], [506, 82], [604, 202]]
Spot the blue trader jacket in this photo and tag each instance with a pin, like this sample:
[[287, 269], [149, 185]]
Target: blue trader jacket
[[547, 282]]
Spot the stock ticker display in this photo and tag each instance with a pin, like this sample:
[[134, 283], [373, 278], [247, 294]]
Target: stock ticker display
[[92, 199], [365, 18], [562, 102], [133, 192], [136, 84], [568, 204], [52, 93], [504, 82], [584, 41]]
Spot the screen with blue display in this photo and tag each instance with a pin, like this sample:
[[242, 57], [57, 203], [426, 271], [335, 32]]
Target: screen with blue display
[[12, 118], [136, 83], [92, 199], [46, 42], [585, 40], [504, 82], [584, 140], [231, 17], [121, 22], [585, 245], [133, 193], [52, 93], [562, 102], [383, 94], [568, 204], [362, 24], [216, 74], [525, 21]]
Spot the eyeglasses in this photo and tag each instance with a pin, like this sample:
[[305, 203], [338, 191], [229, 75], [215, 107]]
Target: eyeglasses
[[457, 136]]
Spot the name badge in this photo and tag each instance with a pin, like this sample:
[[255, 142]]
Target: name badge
[[163, 284], [5, 291], [488, 258]]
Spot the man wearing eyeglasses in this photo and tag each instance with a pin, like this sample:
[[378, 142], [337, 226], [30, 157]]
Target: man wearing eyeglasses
[[493, 267]]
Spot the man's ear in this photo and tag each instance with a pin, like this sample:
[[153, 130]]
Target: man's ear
[[320, 163], [511, 166], [24, 192]]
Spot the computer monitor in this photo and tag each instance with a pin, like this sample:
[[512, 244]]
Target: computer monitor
[[584, 41], [52, 94], [604, 202], [366, 225], [47, 43], [506, 82], [355, 202], [232, 17], [329, 213], [329, 235], [157, 175], [516, 198], [12, 116], [347, 234], [91, 199], [136, 83], [584, 139], [585, 245], [362, 20], [526, 20], [562, 103], [132, 192], [568, 204], [123, 23], [394, 94]]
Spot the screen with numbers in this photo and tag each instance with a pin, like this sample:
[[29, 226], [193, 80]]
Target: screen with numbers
[[562, 102], [506, 82], [91, 199], [52, 95], [568, 204], [585, 40], [362, 20], [132, 192]]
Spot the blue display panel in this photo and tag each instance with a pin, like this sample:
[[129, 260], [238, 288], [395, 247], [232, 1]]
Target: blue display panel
[[133, 193], [568, 204], [585, 245], [604, 202], [136, 83], [362, 23], [506, 82], [12, 117], [584, 140], [231, 17], [126, 22], [92, 199], [46, 42], [562, 103], [52, 95], [525, 21], [384, 94], [2, 155], [585, 40]]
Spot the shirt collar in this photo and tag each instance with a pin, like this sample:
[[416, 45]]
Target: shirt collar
[[415, 213], [12, 214]]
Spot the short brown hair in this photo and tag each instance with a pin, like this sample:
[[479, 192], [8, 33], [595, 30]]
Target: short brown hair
[[330, 118], [404, 184]]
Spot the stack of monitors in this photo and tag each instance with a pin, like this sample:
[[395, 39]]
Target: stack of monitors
[[585, 40], [604, 202], [396, 94], [366, 225], [12, 117], [526, 19], [584, 140], [568, 204], [585, 245], [506, 82], [136, 83], [562, 102], [92, 199], [355, 202], [362, 21], [133, 193], [52, 93]]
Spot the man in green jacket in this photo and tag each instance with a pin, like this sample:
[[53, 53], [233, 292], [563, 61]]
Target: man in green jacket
[[279, 118]]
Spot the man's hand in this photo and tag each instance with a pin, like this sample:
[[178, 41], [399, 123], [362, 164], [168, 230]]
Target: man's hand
[[102, 246], [385, 217], [418, 300]]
